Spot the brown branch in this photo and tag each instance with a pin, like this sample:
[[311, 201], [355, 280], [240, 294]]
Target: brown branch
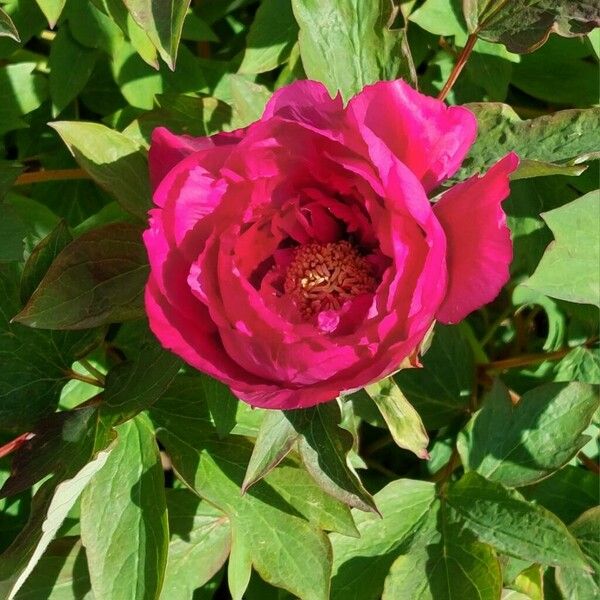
[[459, 66], [43, 176], [589, 464], [525, 360], [91, 380]]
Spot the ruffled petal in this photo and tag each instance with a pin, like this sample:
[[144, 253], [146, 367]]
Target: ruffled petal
[[429, 137], [479, 244]]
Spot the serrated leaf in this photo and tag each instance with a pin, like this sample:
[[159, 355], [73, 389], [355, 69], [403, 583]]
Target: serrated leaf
[[523, 26], [71, 65], [112, 160], [441, 390], [124, 524], [520, 444], [35, 364], [272, 35], [402, 419], [569, 269], [323, 447], [200, 536], [347, 44], [564, 138], [361, 565], [162, 20], [276, 438], [51, 505], [286, 541], [41, 258], [97, 279], [498, 517], [7, 27]]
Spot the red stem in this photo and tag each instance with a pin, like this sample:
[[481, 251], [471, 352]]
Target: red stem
[[458, 67]]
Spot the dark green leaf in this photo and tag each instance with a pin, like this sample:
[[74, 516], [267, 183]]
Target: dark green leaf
[[97, 279], [7, 27], [41, 258], [441, 390], [347, 44], [499, 517], [124, 517], [12, 233], [402, 419], [323, 447], [569, 269], [520, 444], [523, 26], [162, 20], [112, 160], [271, 37], [35, 364]]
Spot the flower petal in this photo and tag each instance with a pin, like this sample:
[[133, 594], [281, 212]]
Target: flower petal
[[479, 244], [429, 137]]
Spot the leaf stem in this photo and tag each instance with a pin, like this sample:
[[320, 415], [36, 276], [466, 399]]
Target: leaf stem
[[525, 360], [458, 67], [15, 444], [91, 380], [589, 464], [91, 369], [58, 175]]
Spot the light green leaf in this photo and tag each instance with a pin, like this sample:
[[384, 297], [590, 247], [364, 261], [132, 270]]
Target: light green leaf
[[441, 390], [581, 364], [402, 419], [248, 100], [50, 507], [162, 20], [124, 518], [441, 17], [97, 279], [284, 536], [52, 10], [347, 44], [272, 35], [569, 269], [323, 447], [112, 160], [499, 517], [361, 565], [200, 536], [7, 27], [71, 65], [520, 444]]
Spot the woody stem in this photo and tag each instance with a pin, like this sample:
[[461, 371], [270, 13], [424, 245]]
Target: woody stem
[[458, 67], [58, 175]]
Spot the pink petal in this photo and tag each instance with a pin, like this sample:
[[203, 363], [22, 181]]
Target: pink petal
[[479, 244], [431, 138]]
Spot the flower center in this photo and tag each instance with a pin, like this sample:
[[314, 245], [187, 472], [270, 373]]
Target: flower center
[[324, 276]]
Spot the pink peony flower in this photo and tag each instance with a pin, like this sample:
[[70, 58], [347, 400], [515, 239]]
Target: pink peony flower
[[300, 257]]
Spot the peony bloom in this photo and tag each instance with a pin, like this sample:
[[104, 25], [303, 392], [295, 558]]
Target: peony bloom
[[301, 257]]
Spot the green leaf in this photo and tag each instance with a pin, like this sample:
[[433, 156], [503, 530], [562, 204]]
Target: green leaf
[[52, 10], [60, 574], [441, 390], [447, 565], [284, 535], [499, 517], [200, 536], [162, 20], [323, 447], [275, 440], [272, 35], [402, 419], [112, 160], [21, 92], [124, 517], [441, 17], [577, 584], [361, 565], [135, 385], [41, 258], [71, 65], [523, 26], [347, 44], [7, 27], [520, 444], [581, 364], [567, 493], [97, 279], [51, 504], [562, 139], [569, 269], [35, 364], [248, 99], [12, 233]]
